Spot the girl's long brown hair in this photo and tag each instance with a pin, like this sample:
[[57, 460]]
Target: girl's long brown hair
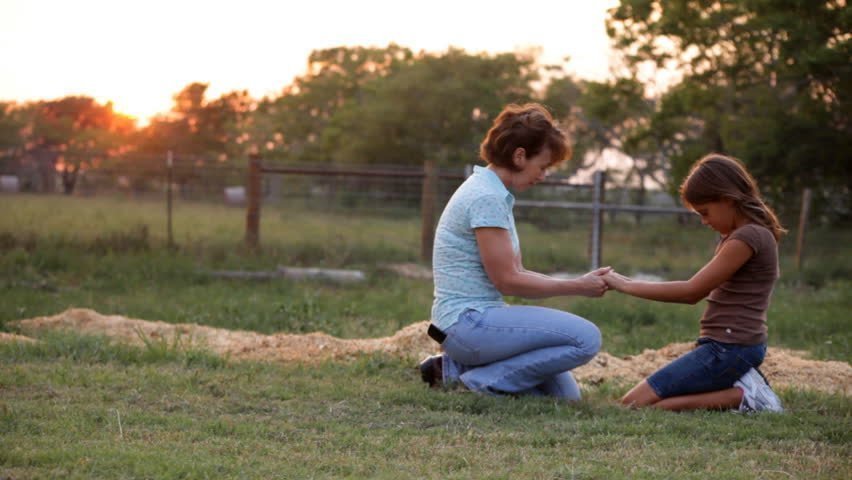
[[716, 177]]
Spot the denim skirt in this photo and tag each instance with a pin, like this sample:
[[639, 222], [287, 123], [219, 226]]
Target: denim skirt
[[711, 366]]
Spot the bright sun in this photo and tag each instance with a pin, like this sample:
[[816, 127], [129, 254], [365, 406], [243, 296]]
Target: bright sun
[[142, 108]]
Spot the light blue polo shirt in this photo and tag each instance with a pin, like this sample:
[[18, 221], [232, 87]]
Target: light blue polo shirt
[[460, 279]]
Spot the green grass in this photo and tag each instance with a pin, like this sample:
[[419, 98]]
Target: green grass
[[110, 257], [191, 414], [171, 286], [77, 407]]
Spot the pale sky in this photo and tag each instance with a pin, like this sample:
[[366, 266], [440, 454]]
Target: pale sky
[[139, 54]]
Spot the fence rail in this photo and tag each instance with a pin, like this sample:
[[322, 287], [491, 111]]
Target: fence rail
[[429, 193], [192, 177], [603, 206], [391, 173]]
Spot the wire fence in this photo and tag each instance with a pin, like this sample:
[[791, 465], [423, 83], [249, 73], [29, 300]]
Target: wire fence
[[389, 190], [380, 188], [429, 188], [559, 202]]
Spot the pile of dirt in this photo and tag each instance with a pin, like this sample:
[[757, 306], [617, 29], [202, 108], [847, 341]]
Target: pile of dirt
[[784, 368], [236, 344], [11, 337]]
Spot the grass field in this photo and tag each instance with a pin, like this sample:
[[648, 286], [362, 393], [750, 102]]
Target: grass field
[[83, 407]]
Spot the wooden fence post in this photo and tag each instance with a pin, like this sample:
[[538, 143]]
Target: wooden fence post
[[803, 225], [253, 194], [427, 210], [598, 196], [169, 168]]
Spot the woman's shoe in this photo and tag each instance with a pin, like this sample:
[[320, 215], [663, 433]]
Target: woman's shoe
[[431, 371]]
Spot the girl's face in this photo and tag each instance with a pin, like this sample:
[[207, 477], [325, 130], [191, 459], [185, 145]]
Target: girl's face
[[720, 215], [533, 169]]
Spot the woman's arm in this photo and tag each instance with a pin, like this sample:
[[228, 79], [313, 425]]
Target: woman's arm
[[505, 271], [733, 255], [519, 265]]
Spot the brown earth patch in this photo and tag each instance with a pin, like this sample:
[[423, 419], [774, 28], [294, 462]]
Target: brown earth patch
[[784, 368], [11, 337]]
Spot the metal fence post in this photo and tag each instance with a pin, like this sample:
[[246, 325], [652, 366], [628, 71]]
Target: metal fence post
[[597, 219], [253, 193], [468, 170]]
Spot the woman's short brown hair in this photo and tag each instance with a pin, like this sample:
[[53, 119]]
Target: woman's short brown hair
[[528, 126]]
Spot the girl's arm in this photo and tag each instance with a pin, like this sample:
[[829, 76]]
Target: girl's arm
[[505, 271], [733, 255]]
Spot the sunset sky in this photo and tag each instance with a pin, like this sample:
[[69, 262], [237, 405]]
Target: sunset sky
[[138, 54]]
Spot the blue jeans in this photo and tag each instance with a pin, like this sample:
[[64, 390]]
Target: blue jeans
[[520, 350], [710, 367]]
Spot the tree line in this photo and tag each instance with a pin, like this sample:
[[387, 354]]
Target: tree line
[[766, 81]]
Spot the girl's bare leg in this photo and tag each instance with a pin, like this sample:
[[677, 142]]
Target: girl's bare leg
[[642, 395], [729, 398]]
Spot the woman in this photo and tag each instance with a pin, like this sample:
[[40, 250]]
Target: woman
[[490, 347]]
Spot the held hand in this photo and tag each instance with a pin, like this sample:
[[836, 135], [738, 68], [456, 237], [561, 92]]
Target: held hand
[[615, 280], [592, 284], [601, 271]]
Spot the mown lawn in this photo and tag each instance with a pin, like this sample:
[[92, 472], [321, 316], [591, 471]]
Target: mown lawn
[[77, 407], [82, 407]]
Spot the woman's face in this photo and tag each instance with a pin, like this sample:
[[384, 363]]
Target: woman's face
[[533, 169]]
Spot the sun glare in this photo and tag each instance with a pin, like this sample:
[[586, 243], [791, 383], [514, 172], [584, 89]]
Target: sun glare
[[139, 69], [140, 111]]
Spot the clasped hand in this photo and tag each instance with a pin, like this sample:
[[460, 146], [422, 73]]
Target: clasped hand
[[615, 280], [592, 284]]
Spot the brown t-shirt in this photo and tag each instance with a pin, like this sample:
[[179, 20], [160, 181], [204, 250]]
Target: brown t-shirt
[[736, 309]]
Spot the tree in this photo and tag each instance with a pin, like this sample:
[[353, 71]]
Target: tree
[[200, 133], [291, 125], [12, 123], [437, 107], [614, 116], [80, 131], [196, 126], [767, 81], [562, 96]]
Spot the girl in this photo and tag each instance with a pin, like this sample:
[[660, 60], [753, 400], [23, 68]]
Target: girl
[[490, 347], [721, 372]]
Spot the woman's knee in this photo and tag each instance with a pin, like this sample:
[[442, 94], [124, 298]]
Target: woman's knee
[[591, 340]]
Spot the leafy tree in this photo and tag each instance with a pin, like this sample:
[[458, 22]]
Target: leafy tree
[[291, 125], [196, 126], [767, 81], [618, 116], [614, 116], [562, 96], [12, 123], [437, 107], [201, 133], [81, 130]]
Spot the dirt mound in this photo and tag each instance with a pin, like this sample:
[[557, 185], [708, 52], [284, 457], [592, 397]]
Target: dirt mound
[[784, 368], [233, 343], [11, 337]]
